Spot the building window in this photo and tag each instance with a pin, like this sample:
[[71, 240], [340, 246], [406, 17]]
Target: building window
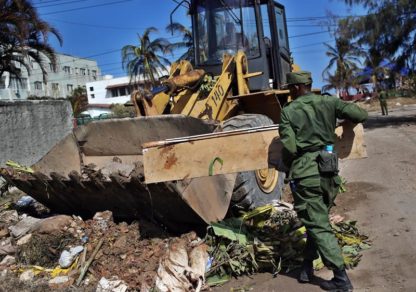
[[3, 82], [114, 92], [82, 70], [67, 70], [53, 68], [55, 86], [69, 88], [123, 91], [88, 72], [91, 88], [76, 70], [94, 73], [38, 85], [18, 84], [92, 95]]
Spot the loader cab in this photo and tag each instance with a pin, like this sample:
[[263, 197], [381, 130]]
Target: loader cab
[[258, 27]]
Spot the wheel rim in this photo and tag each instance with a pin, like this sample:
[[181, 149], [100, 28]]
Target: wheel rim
[[267, 179]]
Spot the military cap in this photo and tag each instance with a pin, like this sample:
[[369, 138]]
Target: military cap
[[299, 77]]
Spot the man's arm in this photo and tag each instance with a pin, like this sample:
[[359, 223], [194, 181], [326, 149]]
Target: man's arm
[[287, 137], [350, 111]]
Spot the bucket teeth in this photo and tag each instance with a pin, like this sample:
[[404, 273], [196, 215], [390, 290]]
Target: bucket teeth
[[76, 178]]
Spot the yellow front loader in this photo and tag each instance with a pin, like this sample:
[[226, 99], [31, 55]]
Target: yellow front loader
[[241, 55]]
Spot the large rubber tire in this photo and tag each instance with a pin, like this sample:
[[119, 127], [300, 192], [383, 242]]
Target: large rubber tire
[[247, 193]]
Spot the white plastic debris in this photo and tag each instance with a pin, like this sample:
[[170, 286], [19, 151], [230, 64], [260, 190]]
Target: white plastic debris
[[111, 285], [67, 257], [180, 271], [27, 276]]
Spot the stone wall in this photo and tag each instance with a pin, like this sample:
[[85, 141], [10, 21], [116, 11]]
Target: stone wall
[[29, 129]]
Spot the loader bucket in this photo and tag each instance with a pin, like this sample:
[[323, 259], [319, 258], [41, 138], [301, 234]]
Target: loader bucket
[[99, 167]]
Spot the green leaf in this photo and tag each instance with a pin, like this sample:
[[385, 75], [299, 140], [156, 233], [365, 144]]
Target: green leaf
[[217, 280]]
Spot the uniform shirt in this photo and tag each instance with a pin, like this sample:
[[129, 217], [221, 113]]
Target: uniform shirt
[[382, 96], [308, 124]]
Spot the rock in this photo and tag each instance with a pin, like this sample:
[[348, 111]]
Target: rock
[[60, 282], [121, 243], [3, 274], [9, 217], [68, 257], [27, 276], [4, 232], [23, 226], [106, 216], [53, 224], [25, 239], [6, 247], [102, 219], [112, 285], [8, 261]]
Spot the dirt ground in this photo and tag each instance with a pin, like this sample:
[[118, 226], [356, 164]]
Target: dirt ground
[[381, 196]]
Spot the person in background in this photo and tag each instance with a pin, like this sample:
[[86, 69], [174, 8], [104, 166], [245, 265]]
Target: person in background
[[382, 97]]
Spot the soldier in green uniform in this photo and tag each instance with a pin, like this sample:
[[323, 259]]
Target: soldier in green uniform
[[382, 97], [307, 127]]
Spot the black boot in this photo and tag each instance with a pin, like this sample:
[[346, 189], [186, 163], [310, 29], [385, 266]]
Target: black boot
[[306, 273], [340, 282]]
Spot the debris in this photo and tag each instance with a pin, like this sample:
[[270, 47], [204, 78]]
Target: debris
[[182, 268], [270, 238], [19, 168], [8, 261], [53, 224], [3, 232], [23, 227], [6, 247], [60, 282], [112, 285], [68, 257], [27, 276], [25, 201], [44, 249], [9, 217], [103, 218], [25, 239], [335, 219], [88, 263]]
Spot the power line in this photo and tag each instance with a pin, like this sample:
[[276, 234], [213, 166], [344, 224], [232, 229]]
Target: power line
[[58, 4], [312, 44], [87, 7], [307, 34]]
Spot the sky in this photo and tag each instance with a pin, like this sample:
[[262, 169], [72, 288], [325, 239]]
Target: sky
[[98, 29]]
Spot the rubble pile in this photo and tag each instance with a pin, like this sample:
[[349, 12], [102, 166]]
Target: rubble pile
[[63, 251], [98, 254]]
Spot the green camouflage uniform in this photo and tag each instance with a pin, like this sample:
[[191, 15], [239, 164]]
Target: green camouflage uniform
[[382, 97], [307, 124]]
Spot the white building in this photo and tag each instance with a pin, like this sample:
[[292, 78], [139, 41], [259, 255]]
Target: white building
[[103, 93], [69, 73]]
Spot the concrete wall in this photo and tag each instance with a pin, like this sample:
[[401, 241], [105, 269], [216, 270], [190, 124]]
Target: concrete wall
[[29, 129]]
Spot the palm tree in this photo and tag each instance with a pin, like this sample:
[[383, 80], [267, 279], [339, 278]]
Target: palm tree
[[345, 56], [187, 42], [24, 38], [79, 100], [144, 61]]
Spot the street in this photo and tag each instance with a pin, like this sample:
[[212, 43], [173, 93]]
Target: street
[[381, 197]]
